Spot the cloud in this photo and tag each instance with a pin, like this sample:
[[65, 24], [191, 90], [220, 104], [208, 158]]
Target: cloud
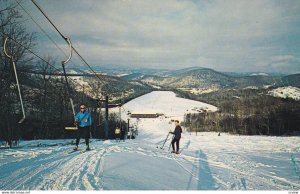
[[232, 35], [285, 64], [285, 58]]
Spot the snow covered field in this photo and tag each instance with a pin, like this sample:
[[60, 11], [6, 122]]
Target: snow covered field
[[206, 161], [286, 92]]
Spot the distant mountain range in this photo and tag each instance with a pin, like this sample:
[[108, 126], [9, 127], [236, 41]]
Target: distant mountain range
[[117, 70], [197, 77], [82, 80], [119, 80], [114, 86]]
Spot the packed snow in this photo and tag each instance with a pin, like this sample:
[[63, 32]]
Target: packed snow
[[206, 161], [122, 75], [199, 90], [259, 74], [286, 92]]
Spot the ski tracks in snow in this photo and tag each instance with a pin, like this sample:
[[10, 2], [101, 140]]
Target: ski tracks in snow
[[26, 173], [57, 170], [234, 169], [212, 169], [250, 169], [82, 172]]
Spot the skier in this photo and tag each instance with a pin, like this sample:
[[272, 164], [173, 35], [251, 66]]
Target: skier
[[118, 134], [83, 122], [123, 132], [177, 135]]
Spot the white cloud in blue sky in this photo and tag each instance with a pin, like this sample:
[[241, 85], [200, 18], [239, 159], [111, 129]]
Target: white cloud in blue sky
[[231, 35]]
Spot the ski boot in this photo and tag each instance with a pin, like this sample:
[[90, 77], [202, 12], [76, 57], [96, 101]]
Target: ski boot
[[76, 148], [87, 148]]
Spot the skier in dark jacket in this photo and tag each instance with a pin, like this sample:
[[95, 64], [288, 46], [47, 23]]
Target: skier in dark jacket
[[177, 135], [83, 122]]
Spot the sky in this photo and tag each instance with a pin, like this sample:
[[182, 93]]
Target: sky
[[231, 35]]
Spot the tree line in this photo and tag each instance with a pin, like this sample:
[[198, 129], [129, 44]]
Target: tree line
[[246, 112]]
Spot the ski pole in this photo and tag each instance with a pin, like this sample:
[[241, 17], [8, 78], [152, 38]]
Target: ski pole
[[165, 141]]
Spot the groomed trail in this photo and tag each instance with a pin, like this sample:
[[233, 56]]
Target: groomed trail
[[53, 169], [206, 161], [139, 165]]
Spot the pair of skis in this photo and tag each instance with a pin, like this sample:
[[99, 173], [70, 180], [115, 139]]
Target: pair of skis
[[78, 150]]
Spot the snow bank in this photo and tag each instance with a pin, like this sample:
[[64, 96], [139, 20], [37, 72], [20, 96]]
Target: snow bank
[[286, 92]]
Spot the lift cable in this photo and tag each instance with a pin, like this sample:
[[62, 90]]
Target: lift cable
[[57, 71], [65, 38]]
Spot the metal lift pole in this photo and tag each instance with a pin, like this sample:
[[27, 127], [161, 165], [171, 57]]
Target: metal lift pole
[[106, 129], [17, 80]]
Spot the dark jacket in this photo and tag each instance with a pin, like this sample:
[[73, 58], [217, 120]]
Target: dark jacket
[[177, 132]]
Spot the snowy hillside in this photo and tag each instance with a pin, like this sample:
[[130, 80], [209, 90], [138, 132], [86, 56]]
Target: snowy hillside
[[162, 102], [257, 74], [205, 162], [165, 102], [286, 92]]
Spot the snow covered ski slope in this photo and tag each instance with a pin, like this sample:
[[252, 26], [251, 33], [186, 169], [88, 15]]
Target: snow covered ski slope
[[205, 162]]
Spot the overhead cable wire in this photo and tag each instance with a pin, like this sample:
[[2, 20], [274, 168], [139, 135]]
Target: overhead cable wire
[[18, 3], [41, 28], [65, 38], [41, 58], [29, 50], [38, 56]]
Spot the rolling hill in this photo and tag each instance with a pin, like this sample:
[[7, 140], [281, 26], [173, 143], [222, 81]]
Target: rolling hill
[[206, 78]]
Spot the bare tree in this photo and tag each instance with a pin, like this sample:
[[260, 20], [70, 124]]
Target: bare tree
[[46, 69], [18, 40]]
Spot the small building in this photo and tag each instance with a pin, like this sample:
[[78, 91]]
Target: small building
[[144, 115]]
